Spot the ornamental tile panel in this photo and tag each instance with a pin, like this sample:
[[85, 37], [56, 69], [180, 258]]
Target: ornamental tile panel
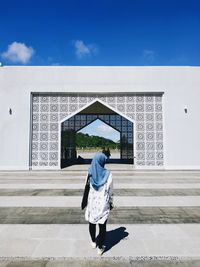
[[159, 126], [63, 115], [130, 107], [91, 98], [131, 116], [120, 107], [149, 136], [44, 126], [139, 99], [73, 108], [149, 99], [130, 99], [139, 116], [54, 107], [35, 127], [53, 99], [158, 99], [150, 163], [149, 107], [121, 99], [44, 107], [111, 99], [149, 126], [144, 109], [149, 117], [43, 146], [140, 145], [53, 146], [140, 136], [43, 163], [53, 136], [150, 155], [35, 99], [102, 98], [35, 136], [140, 163], [35, 117], [159, 163], [83, 99], [158, 107], [159, 146], [53, 156], [35, 107], [34, 156], [73, 99], [44, 117], [53, 126], [44, 99], [34, 146], [140, 126], [44, 136], [159, 155], [150, 146], [53, 117], [43, 156], [159, 136], [139, 108], [54, 164], [159, 117], [63, 99]]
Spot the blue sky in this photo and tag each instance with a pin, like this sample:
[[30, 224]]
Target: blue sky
[[100, 32], [101, 129]]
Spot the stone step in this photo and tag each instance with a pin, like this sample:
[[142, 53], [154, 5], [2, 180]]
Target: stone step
[[119, 215], [117, 192], [33, 185], [119, 201], [126, 182], [78, 175], [82, 172]]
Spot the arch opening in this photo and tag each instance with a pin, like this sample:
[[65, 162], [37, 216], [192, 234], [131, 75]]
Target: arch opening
[[96, 111], [94, 137]]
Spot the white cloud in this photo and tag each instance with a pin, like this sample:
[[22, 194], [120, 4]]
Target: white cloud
[[149, 55], [104, 129], [108, 132], [82, 50], [18, 53]]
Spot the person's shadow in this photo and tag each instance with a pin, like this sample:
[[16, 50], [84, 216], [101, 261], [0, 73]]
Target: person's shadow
[[113, 237]]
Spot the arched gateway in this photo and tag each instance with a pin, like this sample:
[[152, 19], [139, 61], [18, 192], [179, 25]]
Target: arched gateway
[[137, 116], [96, 110]]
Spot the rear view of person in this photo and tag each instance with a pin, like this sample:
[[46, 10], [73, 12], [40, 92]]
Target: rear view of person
[[100, 200]]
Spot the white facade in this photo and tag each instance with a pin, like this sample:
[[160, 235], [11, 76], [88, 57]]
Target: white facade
[[180, 87]]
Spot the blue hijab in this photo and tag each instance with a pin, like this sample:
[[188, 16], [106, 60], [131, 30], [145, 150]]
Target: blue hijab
[[97, 172]]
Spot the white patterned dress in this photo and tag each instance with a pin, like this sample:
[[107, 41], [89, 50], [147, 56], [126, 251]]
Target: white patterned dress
[[99, 201]]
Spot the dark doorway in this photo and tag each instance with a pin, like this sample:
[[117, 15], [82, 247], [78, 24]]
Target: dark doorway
[[95, 111]]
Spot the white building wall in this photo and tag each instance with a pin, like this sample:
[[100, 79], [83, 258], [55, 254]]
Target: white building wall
[[181, 87]]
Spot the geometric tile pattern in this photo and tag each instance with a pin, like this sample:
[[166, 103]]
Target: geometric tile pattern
[[49, 109]]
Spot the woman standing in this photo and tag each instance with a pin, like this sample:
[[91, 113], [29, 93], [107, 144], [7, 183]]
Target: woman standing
[[100, 200]]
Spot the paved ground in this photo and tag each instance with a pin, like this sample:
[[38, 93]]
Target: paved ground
[[103, 262], [155, 222]]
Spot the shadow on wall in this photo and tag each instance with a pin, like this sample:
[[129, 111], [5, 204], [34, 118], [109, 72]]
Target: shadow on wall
[[113, 237]]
